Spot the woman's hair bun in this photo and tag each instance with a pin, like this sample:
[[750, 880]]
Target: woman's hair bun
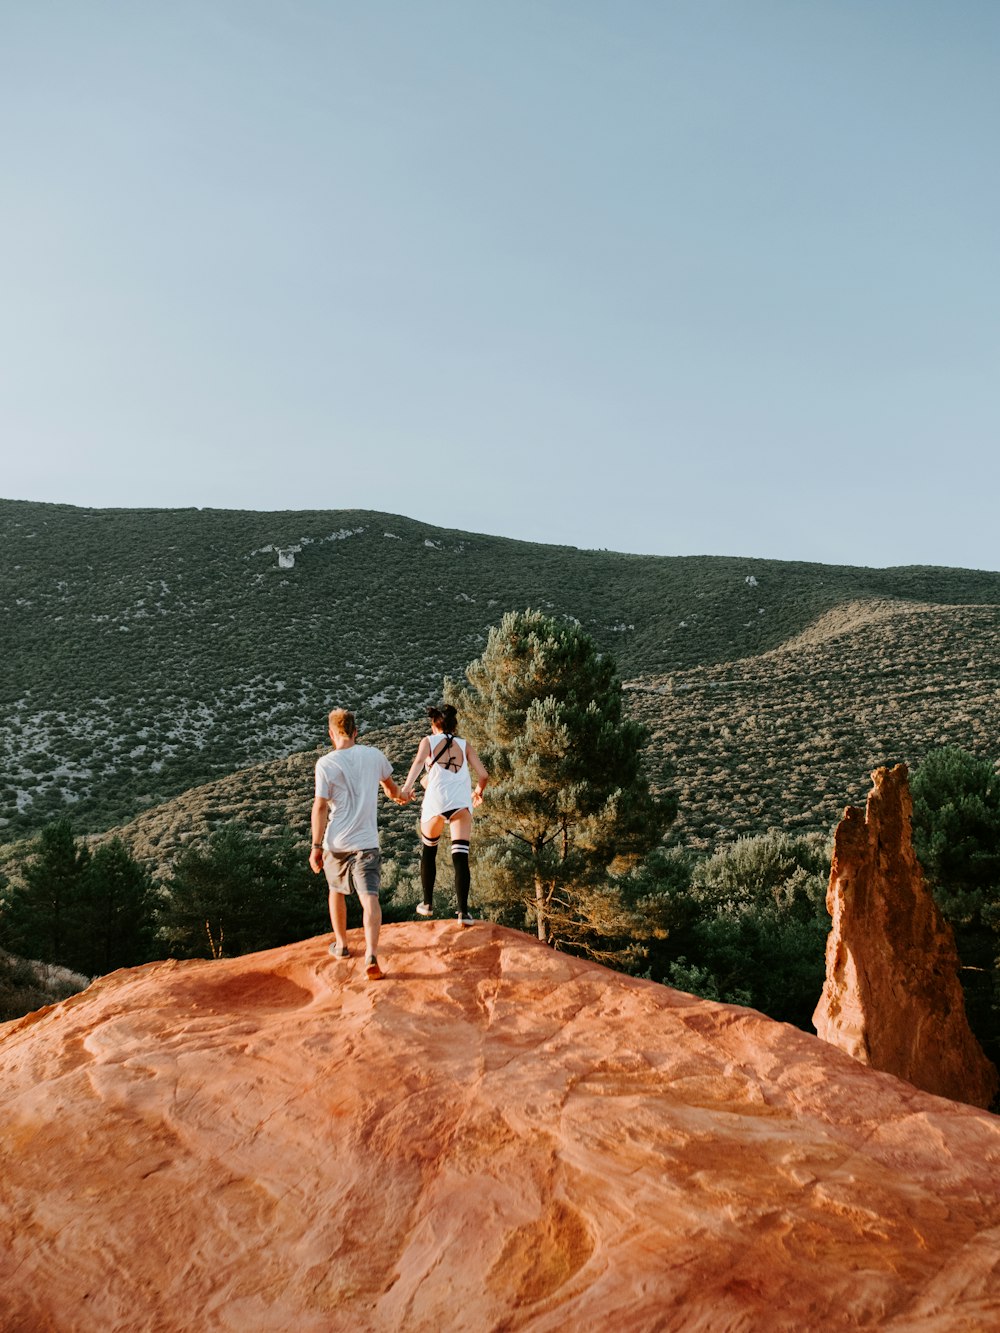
[[445, 716]]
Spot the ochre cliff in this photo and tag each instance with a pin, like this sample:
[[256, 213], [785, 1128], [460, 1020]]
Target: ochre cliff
[[892, 997], [496, 1136]]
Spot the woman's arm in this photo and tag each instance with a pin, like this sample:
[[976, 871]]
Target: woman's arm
[[476, 764], [423, 751]]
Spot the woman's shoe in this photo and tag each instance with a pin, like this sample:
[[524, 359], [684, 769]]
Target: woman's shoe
[[424, 909]]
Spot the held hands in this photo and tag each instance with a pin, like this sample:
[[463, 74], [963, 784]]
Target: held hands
[[477, 798]]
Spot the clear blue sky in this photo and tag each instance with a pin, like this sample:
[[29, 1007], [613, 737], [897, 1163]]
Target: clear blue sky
[[682, 277]]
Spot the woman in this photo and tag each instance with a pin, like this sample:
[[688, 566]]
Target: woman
[[448, 794]]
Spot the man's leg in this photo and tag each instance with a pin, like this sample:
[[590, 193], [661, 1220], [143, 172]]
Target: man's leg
[[372, 909], [338, 917], [338, 882], [366, 870]]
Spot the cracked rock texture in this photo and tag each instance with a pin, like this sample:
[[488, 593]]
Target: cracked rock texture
[[892, 997], [495, 1137]]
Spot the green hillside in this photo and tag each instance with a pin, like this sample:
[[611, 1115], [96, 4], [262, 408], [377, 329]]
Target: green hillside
[[788, 738], [782, 740], [146, 652], [269, 797]]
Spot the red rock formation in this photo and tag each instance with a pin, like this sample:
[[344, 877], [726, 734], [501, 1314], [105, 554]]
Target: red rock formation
[[892, 997], [497, 1136]]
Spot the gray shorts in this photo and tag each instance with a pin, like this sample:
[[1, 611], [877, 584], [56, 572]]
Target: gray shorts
[[360, 871]]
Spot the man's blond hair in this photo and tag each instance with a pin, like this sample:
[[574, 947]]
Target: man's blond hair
[[343, 722]]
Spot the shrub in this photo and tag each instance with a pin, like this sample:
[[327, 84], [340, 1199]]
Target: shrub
[[747, 924], [26, 986]]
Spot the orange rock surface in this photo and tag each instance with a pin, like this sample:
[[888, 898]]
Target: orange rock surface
[[495, 1137], [892, 996]]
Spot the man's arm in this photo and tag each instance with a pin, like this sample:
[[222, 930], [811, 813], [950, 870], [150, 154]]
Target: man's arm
[[391, 790], [318, 823]]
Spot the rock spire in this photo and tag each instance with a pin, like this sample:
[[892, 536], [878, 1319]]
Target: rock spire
[[892, 997]]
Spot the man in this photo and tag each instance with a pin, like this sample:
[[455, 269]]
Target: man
[[345, 832]]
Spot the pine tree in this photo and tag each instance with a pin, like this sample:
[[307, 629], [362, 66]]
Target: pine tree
[[569, 801], [115, 918], [238, 893], [956, 834], [42, 915], [90, 912], [956, 825]]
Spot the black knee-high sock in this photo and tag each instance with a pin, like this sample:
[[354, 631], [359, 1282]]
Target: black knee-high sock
[[428, 867], [460, 862]]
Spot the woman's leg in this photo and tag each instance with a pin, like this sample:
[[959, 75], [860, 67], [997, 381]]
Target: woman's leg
[[430, 836], [461, 832]]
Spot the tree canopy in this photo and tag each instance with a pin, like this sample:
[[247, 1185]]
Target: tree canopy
[[238, 893]]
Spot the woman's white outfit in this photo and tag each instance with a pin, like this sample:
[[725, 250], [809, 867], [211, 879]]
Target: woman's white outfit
[[445, 791]]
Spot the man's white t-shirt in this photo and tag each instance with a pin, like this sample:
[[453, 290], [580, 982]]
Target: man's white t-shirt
[[349, 779]]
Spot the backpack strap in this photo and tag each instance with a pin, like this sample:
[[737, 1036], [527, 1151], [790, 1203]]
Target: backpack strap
[[441, 751]]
